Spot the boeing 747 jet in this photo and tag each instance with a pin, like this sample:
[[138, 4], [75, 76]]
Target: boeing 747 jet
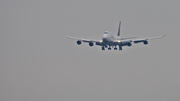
[[110, 41]]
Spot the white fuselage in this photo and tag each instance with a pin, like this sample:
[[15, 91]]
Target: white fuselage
[[107, 37]]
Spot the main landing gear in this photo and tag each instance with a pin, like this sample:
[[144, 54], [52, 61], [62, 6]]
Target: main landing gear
[[115, 48], [103, 48], [109, 48], [120, 47]]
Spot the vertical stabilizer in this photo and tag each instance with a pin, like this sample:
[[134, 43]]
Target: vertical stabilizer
[[118, 34]]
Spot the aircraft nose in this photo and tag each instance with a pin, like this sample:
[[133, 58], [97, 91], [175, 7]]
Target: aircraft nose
[[104, 38]]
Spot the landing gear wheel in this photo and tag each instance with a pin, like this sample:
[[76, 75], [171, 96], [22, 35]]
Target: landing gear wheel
[[115, 48], [109, 48], [120, 47], [103, 48]]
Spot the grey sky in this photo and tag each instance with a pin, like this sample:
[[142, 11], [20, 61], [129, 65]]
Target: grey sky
[[38, 63]]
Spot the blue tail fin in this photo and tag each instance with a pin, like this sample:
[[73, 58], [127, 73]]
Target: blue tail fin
[[118, 34]]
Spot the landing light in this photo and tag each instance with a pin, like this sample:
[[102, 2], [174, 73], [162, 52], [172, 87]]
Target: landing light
[[118, 41], [100, 41]]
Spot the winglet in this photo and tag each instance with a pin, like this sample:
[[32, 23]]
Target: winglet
[[118, 34], [69, 37], [164, 35]]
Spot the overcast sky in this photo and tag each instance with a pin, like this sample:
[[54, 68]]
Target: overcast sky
[[38, 62]]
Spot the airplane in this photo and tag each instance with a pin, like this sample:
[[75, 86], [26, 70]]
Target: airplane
[[109, 40]]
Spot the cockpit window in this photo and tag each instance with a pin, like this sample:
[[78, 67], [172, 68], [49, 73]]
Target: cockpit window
[[106, 32]]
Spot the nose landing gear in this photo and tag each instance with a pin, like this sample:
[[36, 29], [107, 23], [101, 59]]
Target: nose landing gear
[[120, 47], [103, 48]]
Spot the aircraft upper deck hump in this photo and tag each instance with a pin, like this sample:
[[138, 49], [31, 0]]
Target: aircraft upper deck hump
[[118, 34]]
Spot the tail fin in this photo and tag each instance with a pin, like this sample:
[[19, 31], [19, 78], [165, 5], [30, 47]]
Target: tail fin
[[118, 34]]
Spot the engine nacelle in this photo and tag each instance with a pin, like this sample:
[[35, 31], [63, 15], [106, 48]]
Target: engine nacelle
[[79, 42], [145, 42], [91, 44], [129, 44]]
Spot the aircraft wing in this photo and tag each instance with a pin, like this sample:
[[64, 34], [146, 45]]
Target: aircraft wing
[[81, 39], [145, 39], [125, 38], [128, 38]]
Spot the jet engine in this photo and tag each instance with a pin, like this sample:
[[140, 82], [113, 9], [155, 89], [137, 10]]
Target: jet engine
[[145, 42], [129, 44], [79, 42], [91, 44]]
